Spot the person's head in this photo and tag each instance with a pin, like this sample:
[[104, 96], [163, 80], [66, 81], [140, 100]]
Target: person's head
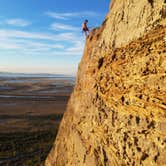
[[86, 21]]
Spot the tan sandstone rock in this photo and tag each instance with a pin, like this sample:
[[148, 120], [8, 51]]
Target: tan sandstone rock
[[116, 115]]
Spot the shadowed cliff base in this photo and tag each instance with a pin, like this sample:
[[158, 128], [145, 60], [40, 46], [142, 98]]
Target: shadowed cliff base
[[116, 114]]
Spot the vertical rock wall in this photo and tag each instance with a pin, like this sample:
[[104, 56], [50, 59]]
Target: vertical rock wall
[[117, 112]]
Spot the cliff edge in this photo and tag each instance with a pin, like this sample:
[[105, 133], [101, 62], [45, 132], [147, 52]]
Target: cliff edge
[[117, 113]]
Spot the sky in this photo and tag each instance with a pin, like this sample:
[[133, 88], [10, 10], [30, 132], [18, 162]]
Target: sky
[[44, 36]]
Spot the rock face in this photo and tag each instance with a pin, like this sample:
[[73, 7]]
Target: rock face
[[117, 112]]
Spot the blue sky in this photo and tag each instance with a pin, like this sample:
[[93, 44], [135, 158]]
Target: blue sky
[[44, 36]]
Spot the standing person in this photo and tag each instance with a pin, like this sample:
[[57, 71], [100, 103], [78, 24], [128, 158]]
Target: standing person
[[85, 28]]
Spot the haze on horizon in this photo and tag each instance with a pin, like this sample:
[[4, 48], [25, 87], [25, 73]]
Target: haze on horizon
[[45, 36]]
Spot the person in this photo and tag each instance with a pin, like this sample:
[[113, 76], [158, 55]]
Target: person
[[85, 29]]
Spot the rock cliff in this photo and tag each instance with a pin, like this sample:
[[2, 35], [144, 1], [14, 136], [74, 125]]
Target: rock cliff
[[117, 112]]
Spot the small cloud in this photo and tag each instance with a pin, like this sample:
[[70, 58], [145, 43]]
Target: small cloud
[[9, 46], [60, 16], [33, 43], [58, 26], [40, 36], [58, 46], [69, 15], [76, 48], [17, 22]]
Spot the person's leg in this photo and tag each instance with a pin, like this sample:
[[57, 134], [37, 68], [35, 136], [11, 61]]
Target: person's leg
[[86, 34]]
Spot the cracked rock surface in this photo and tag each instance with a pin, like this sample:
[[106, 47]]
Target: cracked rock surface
[[116, 115]]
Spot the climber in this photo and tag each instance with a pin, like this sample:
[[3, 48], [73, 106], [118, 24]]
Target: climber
[[85, 29]]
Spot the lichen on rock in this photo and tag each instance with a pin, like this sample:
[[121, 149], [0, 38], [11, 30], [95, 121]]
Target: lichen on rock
[[116, 114]]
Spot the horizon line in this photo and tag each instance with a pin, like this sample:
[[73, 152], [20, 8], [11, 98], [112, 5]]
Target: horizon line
[[26, 73]]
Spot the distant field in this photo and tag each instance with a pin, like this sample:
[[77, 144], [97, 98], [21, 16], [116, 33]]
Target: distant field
[[30, 113]]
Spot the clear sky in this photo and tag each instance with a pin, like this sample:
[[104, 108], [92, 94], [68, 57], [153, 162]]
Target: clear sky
[[44, 36]]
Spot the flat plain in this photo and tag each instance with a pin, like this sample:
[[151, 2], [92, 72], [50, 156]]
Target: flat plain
[[31, 109]]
